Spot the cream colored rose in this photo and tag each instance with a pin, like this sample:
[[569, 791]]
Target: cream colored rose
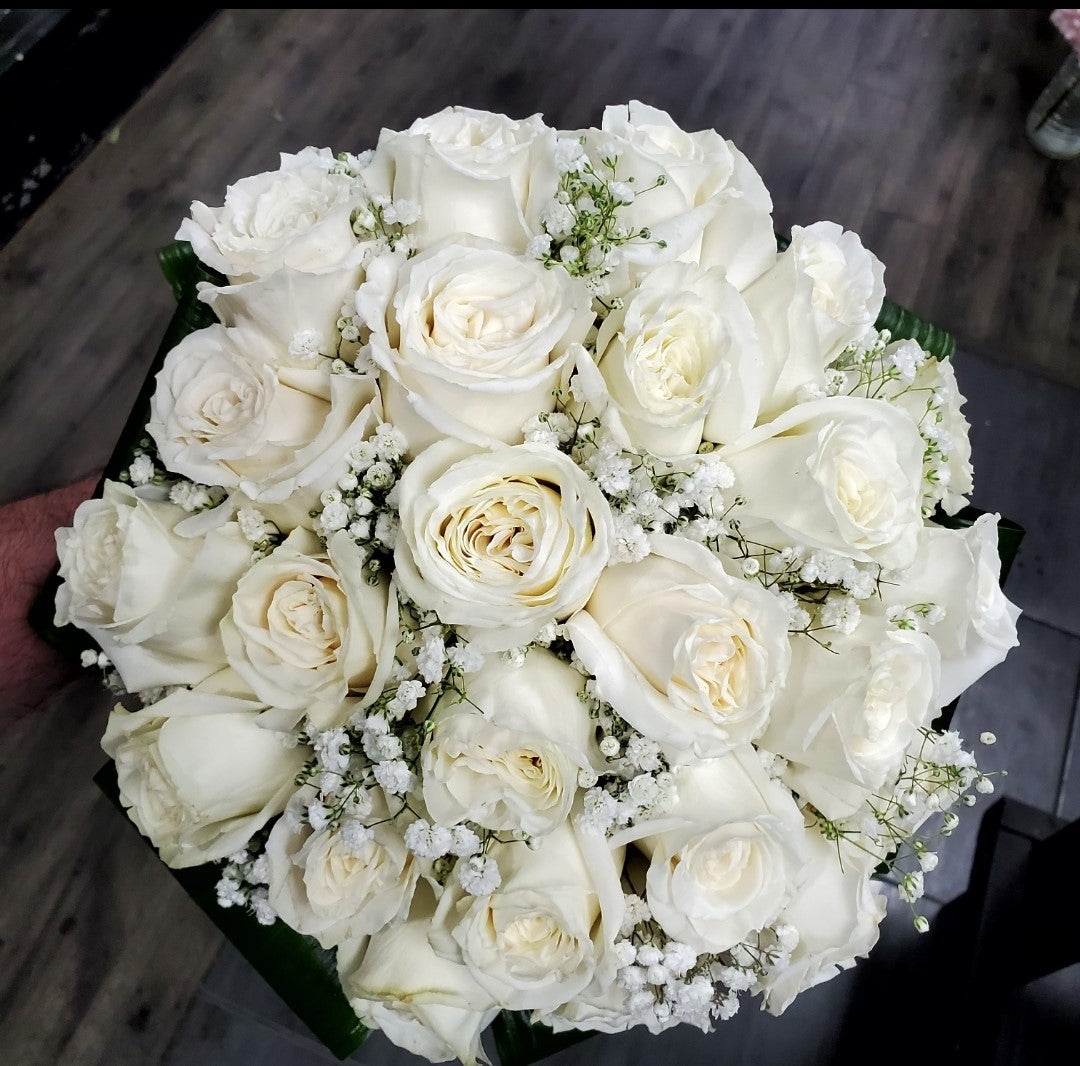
[[470, 338], [306, 628], [471, 172], [424, 1003], [150, 598], [321, 885], [726, 858], [543, 936], [508, 756], [295, 311], [681, 353], [227, 411], [822, 294], [500, 542], [847, 715], [836, 912], [713, 208], [199, 774], [297, 216], [688, 655], [958, 571], [842, 474]]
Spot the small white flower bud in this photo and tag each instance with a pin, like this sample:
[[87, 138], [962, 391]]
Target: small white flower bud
[[610, 747]]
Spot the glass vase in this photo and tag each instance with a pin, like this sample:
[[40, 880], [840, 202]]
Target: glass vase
[[1053, 124]]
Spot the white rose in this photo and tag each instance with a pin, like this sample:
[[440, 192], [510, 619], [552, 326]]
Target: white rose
[[712, 209], [547, 931], [836, 911], [500, 542], [297, 216], [470, 172], [507, 757], [847, 715], [688, 655], [296, 312], [424, 1003], [822, 294], [470, 338], [306, 628], [843, 474], [322, 887], [227, 411], [958, 571], [680, 354], [726, 858], [603, 1011], [932, 400], [150, 598], [199, 774]]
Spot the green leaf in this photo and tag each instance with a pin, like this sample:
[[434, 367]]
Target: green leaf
[[906, 325], [295, 966], [520, 1042], [183, 270]]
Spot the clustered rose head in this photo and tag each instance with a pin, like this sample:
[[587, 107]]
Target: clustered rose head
[[429, 503]]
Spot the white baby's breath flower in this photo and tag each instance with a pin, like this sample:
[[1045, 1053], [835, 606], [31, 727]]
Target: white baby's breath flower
[[631, 543], [141, 471], [538, 247], [428, 841], [465, 657], [569, 155], [463, 841], [355, 835], [394, 776], [479, 875], [430, 658]]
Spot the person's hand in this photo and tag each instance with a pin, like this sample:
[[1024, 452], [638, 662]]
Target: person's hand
[[31, 670]]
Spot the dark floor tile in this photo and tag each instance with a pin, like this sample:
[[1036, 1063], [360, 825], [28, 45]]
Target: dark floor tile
[[1025, 435], [1068, 805], [1047, 1018], [1028, 703]]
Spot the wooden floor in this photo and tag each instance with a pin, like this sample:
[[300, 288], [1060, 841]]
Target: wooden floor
[[905, 125]]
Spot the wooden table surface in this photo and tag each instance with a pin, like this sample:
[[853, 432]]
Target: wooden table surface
[[905, 125]]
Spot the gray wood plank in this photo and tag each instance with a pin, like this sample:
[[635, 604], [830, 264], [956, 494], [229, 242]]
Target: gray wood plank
[[215, 1034], [842, 115], [100, 950]]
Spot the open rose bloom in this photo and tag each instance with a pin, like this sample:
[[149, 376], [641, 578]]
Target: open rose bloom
[[537, 588]]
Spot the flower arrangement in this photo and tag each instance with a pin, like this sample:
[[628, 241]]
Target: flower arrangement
[[534, 586]]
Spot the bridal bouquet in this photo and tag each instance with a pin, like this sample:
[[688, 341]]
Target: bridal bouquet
[[535, 587]]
